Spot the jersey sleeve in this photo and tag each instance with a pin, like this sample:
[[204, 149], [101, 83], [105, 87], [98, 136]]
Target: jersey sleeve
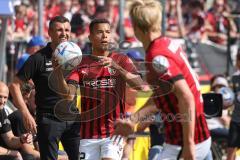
[[73, 78], [166, 68], [29, 69], [5, 124], [128, 65]]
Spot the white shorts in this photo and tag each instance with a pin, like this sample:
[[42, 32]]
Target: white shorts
[[96, 149], [171, 152]]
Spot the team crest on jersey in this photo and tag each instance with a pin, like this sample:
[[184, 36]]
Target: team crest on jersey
[[111, 71], [160, 64]]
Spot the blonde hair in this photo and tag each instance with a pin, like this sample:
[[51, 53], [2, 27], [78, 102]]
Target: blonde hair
[[147, 15]]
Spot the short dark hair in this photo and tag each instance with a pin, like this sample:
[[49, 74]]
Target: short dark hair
[[196, 4], [101, 9], [60, 19], [97, 21]]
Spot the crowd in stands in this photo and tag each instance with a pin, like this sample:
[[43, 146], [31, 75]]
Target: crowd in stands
[[214, 21], [198, 19]]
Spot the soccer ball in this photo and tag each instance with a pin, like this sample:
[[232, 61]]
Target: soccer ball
[[228, 96], [68, 54]]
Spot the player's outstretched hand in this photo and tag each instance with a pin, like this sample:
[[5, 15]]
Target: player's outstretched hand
[[124, 127]]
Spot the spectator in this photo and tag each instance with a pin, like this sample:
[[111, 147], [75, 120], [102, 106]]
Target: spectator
[[128, 29], [16, 117], [234, 130], [23, 26], [81, 20], [51, 9], [10, 144], [16, 120], [36, 43], [65, 9], [89, 8], [101, 12], [195, 25], [75, 6], [218, 24], [113, 11], [219, 126], [175, 24], [113, 16]]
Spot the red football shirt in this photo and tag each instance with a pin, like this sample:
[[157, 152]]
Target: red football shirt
[[102, 94], [167, 63]]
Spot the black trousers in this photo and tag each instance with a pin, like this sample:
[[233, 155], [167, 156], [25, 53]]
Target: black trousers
[[50, 131]]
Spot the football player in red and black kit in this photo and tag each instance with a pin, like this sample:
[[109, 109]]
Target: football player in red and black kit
[[175, 86], [102, 78]]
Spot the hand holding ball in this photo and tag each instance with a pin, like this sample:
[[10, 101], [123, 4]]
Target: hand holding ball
[[68, 55]]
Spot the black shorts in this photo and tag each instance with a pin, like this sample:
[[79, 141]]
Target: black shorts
[[234, 135]]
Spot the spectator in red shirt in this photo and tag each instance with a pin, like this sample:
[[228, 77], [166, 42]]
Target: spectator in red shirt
[[23, 26], [218, 24], [81, 20], [195, 25], [175, 25]]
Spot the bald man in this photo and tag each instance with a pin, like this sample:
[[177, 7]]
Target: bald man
[[10, 143], [3, 94]]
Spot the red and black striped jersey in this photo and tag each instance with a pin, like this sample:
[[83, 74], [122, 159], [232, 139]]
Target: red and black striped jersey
[[102, 92], [166, 64]]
